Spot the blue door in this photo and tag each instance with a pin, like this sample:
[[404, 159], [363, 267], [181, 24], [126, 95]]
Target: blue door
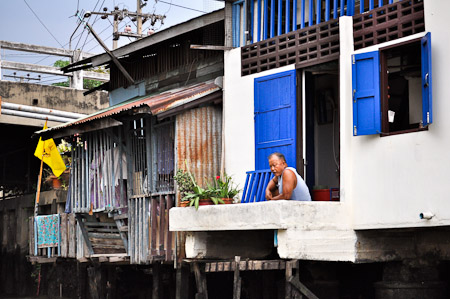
[[275, 118]]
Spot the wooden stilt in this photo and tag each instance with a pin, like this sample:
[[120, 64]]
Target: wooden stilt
[[237, 279], [182, 282], [200, 279], [294, 280], [157, 282], [288, 289]]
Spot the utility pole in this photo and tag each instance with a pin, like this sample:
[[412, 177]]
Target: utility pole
[[138, 17], [139, 20]]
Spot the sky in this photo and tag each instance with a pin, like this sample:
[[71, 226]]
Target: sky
[[52, 22]]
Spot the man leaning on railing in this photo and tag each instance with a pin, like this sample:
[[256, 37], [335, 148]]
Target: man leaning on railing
[[286, 183]]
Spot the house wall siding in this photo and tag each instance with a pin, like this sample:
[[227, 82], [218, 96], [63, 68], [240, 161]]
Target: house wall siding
[[198, 140], [395, 178]]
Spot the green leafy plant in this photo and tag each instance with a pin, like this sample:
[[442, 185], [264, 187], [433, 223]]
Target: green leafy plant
[[192, 192], [224, 187], [184, 183]]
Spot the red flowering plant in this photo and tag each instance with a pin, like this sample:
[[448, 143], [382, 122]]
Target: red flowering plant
[[223, 187]]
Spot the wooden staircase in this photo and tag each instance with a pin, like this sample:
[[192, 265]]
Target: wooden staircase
[[104, 235]]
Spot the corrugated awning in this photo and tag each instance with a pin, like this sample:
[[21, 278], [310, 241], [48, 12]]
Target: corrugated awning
[[158, 104]]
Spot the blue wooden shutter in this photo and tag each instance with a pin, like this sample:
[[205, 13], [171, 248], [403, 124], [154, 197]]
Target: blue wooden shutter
[[366, 94], [426, 79], [275, 118]]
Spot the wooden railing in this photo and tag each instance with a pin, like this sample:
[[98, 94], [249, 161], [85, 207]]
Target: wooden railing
[[257, 20]]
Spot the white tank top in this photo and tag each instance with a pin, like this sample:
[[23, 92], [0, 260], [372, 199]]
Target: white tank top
[[300, 192]]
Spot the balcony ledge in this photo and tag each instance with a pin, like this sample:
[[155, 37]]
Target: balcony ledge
[[282, 214]]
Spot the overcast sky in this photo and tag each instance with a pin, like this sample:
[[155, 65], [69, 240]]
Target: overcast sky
[[52, 22]]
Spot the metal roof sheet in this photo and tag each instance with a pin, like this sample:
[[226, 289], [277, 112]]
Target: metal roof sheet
[[157, 103]]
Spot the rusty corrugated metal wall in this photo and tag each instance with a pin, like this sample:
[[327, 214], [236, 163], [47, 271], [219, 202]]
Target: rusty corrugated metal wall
[[199, 141]]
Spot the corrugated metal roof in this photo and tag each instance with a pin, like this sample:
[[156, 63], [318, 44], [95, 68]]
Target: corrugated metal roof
[[157, 103]]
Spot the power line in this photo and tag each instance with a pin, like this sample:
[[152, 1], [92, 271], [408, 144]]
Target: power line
[[42, 23], [95, 20], [183, 6]]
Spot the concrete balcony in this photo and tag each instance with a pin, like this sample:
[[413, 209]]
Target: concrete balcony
[[304, 230]]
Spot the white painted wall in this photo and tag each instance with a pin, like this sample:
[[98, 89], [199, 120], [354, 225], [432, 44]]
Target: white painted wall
[[393, 179], [238, 109], [386, 182]]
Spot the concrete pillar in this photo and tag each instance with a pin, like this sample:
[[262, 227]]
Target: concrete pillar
[[77, 79]]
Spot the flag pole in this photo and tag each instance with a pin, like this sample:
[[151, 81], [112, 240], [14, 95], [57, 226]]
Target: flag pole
[[38, 192]]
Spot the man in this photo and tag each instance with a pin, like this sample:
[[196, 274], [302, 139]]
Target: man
[[287, 183]]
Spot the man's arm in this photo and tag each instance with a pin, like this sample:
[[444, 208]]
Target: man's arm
[[272, 188], [289, 183]]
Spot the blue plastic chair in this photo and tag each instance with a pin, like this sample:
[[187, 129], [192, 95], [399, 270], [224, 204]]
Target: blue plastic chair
[[255, 185]]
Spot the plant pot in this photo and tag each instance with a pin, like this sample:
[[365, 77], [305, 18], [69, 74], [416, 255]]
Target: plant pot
[[205, 202], [184, 203], [56, 183], [228, 201]]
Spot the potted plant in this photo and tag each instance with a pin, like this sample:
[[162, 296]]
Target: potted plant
[[185, 186], [220, 191], [224, 189]]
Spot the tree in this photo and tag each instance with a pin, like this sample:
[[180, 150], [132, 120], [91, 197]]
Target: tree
[[87, 83]]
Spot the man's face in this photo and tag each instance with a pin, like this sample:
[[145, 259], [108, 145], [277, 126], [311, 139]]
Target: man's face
[[276, 165]]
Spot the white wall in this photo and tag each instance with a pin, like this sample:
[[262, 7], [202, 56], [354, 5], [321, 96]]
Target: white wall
[[391, 180], [238, 109]]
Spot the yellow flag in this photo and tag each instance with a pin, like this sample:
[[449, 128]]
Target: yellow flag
[[48, 152]]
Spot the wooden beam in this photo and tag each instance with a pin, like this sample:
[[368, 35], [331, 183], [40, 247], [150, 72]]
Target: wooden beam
[[210, 47], [237, 280], [294, 280], [85, 234], [200, 279], [182, 282], [157, 282]]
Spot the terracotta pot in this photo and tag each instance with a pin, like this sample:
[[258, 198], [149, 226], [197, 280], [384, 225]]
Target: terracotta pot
[[184, 203], [205, 202], [228, 201], [56, 184]]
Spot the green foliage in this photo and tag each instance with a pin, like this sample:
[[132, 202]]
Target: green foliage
[[192, 192], [224, 188], [87, 83]]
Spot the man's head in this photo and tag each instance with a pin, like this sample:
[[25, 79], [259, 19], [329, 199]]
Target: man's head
[[277, 163]]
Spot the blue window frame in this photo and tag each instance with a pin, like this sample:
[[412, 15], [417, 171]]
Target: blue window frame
[[392, 89]]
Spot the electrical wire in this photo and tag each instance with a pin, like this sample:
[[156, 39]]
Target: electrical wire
[[95, 20], [43, 23], [182, 6]]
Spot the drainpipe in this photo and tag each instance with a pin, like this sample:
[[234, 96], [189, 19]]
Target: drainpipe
[[36, 115], [39, 110]]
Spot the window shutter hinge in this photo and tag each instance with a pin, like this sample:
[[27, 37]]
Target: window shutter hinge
[[355, 131], [354, 91], [353, 59], [428, 117]]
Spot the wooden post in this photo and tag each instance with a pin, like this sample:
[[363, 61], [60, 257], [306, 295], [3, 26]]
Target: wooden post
[[157, 282], [200, 279], [237, 279], [182, 282], [288, 289]]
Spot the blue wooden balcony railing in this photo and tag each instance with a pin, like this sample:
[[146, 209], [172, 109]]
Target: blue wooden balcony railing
[[256, 20]]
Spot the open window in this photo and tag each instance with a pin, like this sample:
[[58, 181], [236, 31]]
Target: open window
[[392, 89]]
